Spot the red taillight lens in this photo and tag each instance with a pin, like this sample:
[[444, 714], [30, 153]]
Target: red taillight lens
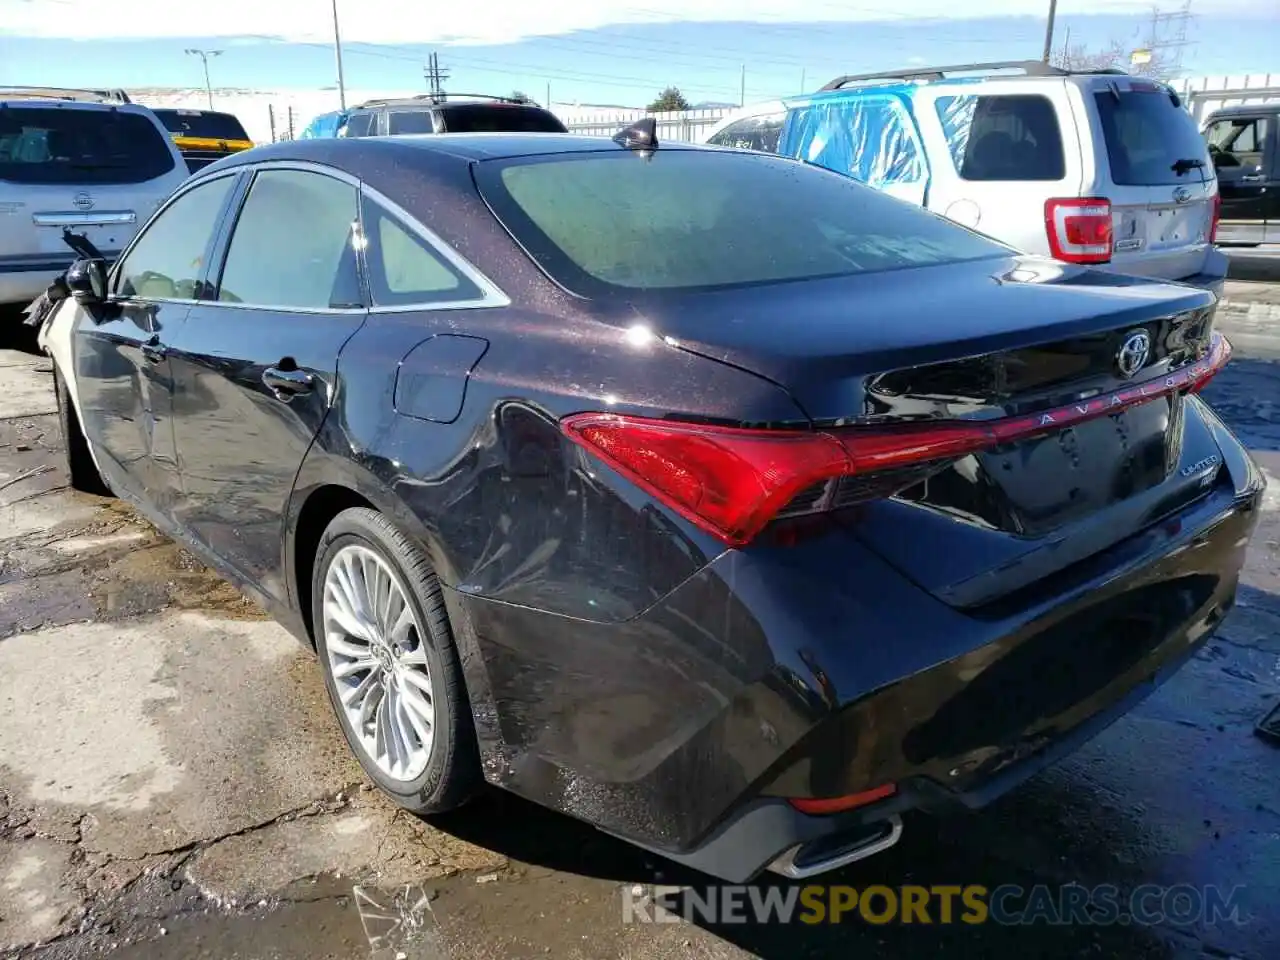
[[733, 481], [1217, 218], [1079, 229]]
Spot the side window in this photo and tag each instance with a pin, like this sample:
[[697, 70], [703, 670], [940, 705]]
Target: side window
[[410, 121], [870, 138], [751, 133], [360, 125], [1012, 137], [404, 269], [167, 260], [293, 244], [1237, 142]]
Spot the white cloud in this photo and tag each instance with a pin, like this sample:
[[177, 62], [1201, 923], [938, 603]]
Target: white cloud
[[496, 21]]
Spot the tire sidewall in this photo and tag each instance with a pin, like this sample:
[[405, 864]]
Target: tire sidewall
[[352, 528]]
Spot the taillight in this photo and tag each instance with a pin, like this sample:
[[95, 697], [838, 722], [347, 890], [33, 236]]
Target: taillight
[[732, 481], [1217, 217], [1079, 229]]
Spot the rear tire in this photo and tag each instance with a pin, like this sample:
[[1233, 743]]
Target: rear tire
[[388, 682], [81, 470]]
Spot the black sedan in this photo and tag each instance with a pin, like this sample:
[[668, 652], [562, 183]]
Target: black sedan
[[710, 497]]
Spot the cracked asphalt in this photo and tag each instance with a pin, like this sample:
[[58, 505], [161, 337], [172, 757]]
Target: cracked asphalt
[[173, 784]]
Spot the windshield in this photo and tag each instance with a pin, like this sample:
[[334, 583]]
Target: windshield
[[600, 223], [198, 123], [78, 146], [1147, 136], [500, 118]]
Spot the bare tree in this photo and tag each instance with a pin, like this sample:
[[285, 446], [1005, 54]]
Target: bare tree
[[1114, 56]]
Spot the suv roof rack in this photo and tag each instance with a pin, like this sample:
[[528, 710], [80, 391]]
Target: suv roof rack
[[438, 98], [64, 93], [1029, 68]]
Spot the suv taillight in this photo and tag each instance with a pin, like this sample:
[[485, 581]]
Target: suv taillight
[[1079, 229], [1217, 218]]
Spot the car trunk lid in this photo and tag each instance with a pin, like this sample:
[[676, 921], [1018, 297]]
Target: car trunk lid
[[1076, 380]]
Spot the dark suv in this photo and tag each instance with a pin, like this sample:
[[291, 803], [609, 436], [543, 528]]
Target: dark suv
[[470, 113], [1244, 142]]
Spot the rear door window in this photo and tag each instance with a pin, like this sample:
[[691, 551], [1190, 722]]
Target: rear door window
[[752, 133], [404, 269], [500, 118], [601, 223], [409, 121], [1150, 140], [57, 145], [293, 244], [1014, 137]]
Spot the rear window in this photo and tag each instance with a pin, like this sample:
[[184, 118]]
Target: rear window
[[500, 118], [197, 123], [1146, 135], [752, 133], [1003, 138], [603, 223], [359, 125], [75, 146]]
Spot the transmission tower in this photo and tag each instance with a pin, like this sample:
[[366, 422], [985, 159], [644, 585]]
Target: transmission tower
[[1167, 39]]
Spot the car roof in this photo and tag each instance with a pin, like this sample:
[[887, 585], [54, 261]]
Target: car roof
[[53, 103], [426, 102], [1247, 109], [342, 152]]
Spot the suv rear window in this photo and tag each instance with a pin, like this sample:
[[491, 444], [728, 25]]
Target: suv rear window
[[1146, 135], [500, 118], [603, 223], [77, 146], [1003, 138], [410, 121], [197, 123]]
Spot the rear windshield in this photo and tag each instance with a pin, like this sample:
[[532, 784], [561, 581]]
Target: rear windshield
[[75, 146], [1147, 136], [197, 123], [500, 118], [604, 223]]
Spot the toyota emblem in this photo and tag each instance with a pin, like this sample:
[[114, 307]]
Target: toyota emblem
[[83, 201], [1133, 353], [1181, 195]]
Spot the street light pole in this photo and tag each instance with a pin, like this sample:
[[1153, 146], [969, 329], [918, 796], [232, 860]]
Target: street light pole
[[1048, 31], [204, 56], [337, 50]]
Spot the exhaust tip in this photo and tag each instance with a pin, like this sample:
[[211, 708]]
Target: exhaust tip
[[838, 850]]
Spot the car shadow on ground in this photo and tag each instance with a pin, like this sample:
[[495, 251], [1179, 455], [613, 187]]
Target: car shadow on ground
[[1016, 843]]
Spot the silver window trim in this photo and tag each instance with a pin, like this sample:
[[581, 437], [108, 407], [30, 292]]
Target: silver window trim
[[118, 266], [491, 295]]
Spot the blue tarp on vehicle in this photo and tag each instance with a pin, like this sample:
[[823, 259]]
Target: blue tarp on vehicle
[[324, 126]]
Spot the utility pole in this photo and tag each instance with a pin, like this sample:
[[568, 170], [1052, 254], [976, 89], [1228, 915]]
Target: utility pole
[[337, 53], [742, 87], [1048, 30], [548, 102], [435, 76], [204, 56], [802, 78]]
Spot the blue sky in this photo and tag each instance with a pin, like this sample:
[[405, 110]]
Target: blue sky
[[790, 46]]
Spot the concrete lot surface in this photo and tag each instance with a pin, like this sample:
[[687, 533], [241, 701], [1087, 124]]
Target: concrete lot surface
[[173, 784]]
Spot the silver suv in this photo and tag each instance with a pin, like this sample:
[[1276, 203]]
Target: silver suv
[[84, 161], [1096, 168]]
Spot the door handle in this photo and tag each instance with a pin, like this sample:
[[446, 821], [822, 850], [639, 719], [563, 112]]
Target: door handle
[[286, 384], [1251, 178], [153, 351]]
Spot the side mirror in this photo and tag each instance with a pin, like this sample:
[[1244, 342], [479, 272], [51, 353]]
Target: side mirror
[[87, 281]]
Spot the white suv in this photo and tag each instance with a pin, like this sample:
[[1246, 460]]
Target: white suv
[[1095, 168], [85, 161]]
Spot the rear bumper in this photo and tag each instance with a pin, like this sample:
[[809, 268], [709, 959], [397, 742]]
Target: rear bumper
[[818, 671], [1213, 276]]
